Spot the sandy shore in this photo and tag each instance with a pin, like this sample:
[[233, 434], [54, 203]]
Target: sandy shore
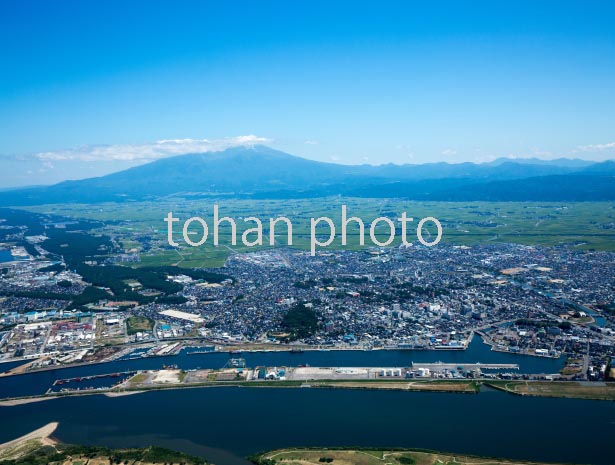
[[41, 433], [121, 394], [12, 403]]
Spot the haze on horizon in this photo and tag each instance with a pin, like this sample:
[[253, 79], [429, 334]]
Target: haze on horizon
[[92, 88]]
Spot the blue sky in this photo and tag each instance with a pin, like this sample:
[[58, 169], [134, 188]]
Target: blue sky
[[353, 82]]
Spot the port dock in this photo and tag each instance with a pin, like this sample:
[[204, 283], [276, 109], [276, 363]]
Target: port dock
[[441, 366]]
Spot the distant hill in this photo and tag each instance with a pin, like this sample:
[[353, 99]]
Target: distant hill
[[564, 162], [604, 168], [262, 172]]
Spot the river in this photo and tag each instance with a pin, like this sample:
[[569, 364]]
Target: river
[[225, 424], [477, 351]]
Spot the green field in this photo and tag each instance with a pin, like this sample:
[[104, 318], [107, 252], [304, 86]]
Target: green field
[[335, 456], [575, 390], [582, 225], [136, 324]]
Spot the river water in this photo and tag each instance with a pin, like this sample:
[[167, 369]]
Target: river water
[[225, 424], [477, 351]]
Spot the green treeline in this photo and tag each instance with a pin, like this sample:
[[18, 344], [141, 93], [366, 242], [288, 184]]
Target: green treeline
[[300, 321], [47, 454], [543, 323], [75, 245]]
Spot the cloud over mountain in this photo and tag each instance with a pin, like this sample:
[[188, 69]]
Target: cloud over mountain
[[149, 151], [598, 147], [256, 171]]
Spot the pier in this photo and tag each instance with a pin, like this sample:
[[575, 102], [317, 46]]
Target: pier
[[441, 366], [122, 375]]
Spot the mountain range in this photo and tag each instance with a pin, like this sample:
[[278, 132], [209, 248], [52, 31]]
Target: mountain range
[[262, 172]]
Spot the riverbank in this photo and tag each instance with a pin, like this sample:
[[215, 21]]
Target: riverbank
[[562, 389], [461, 386], [318, 456], [38, 448], [25, 400], [37, 383], [191, 348], [25, 445]]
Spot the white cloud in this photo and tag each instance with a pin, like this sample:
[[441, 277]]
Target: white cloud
[[334, 158], [597, 147], [311, 142], [449, 152], [148, 151]]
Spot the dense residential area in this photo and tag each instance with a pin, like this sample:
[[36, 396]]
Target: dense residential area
[[533, 300]]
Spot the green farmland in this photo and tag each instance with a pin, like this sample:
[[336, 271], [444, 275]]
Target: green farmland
[[581, 225]]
